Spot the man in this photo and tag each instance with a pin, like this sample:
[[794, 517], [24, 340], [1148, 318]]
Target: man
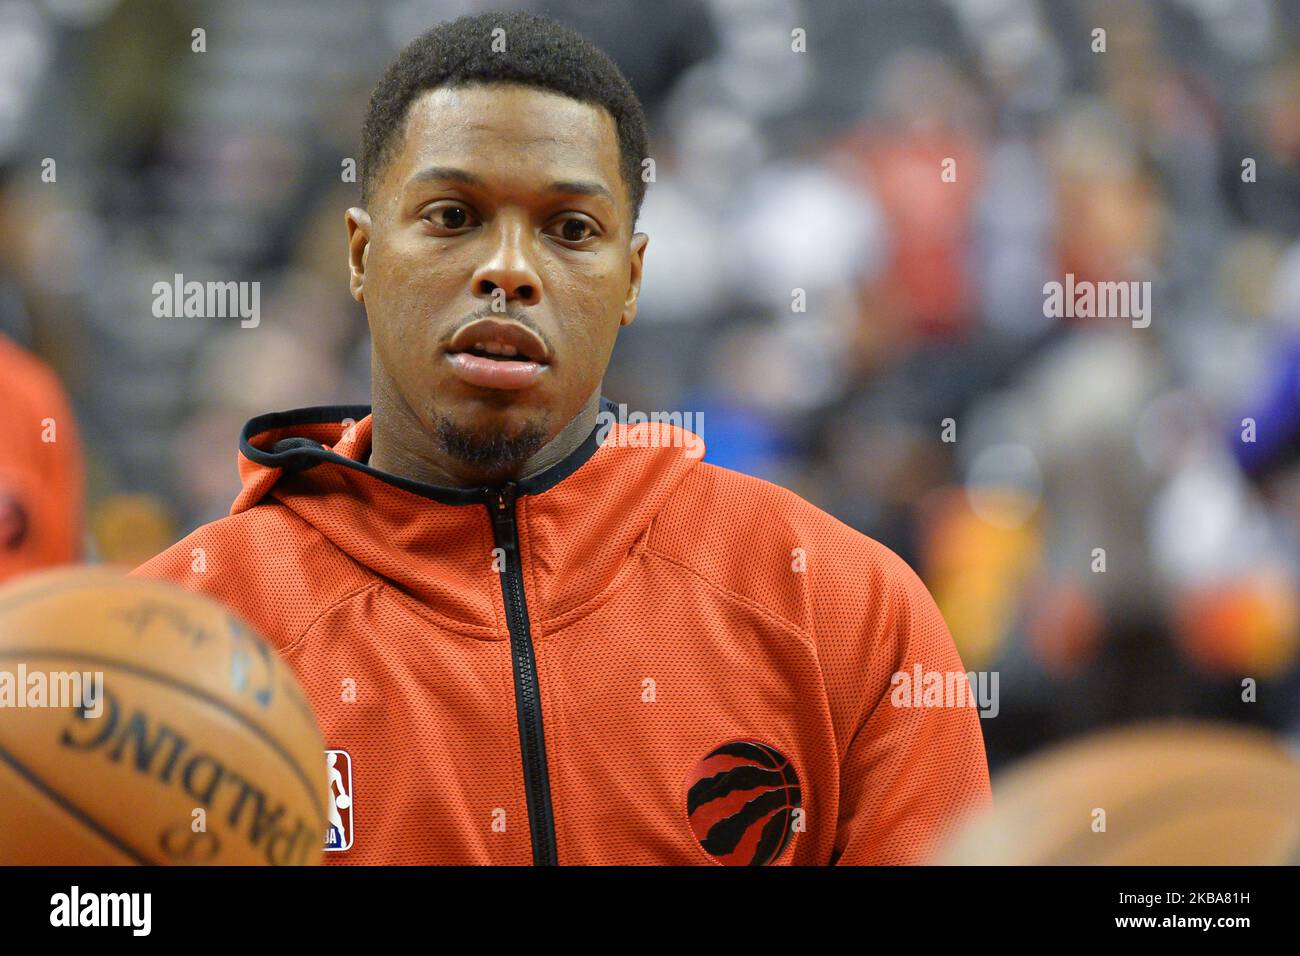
[[537, 638], [41, 482]]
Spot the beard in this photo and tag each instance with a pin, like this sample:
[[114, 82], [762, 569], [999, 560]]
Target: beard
[[492, 452]]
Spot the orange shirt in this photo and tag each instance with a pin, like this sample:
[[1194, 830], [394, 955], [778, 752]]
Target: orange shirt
[[635, 657], [41, 483]]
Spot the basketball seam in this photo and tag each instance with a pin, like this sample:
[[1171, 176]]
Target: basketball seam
[[72, 809]]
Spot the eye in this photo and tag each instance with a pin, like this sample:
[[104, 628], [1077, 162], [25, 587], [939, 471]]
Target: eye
[[575, 229], [449, 217]]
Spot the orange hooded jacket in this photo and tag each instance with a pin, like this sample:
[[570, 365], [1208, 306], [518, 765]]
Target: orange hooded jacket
[[634, 657]]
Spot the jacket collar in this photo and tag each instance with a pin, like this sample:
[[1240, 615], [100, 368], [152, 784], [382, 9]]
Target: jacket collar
[[579, 521]]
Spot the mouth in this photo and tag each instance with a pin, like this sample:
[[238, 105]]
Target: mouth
[[490, 353]]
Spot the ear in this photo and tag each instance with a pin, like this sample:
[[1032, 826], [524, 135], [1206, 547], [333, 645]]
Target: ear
[[358, 250], [636, 260]]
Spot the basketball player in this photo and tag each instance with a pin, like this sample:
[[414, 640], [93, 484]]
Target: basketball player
[[41, 482], [540, 640]]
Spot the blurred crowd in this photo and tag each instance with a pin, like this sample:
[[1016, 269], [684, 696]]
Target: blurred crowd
[[1107, 514]]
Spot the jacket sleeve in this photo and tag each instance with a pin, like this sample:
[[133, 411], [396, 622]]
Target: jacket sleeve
[[910, 773]]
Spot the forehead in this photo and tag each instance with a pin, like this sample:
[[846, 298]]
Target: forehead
[[510, 135]]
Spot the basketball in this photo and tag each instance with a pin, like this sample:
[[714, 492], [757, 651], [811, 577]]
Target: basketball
[[144, 724], [1171, 794]]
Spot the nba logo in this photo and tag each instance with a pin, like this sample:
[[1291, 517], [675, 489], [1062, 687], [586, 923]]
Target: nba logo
[[338, 808]]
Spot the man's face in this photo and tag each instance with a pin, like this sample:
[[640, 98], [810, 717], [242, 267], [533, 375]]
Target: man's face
[[502, 203]]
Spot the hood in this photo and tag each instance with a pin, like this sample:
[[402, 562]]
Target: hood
[[579, 522]]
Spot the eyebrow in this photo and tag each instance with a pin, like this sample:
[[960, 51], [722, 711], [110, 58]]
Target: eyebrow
[[457, 175]]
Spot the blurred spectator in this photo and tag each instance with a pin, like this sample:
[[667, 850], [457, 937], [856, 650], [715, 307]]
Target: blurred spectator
[[41, 481]]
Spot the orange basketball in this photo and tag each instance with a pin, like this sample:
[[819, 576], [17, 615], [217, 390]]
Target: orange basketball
[[141, 723], [1167, 793]]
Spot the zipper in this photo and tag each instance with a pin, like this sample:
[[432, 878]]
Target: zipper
[[528, 699]]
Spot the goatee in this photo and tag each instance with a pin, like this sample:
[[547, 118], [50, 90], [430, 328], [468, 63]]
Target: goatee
[[491, 452]]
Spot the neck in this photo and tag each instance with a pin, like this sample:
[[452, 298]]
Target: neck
[[402, 445]]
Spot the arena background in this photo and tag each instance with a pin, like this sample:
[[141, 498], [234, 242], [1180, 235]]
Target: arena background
[[1173, 157]]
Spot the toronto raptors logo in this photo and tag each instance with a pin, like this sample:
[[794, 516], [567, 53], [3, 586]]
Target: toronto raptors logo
[[13, 521], [741, 801]]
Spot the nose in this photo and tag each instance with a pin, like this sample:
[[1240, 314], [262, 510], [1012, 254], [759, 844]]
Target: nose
[[510, 266]]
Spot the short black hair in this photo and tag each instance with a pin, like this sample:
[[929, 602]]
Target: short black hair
[[539, 52]]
